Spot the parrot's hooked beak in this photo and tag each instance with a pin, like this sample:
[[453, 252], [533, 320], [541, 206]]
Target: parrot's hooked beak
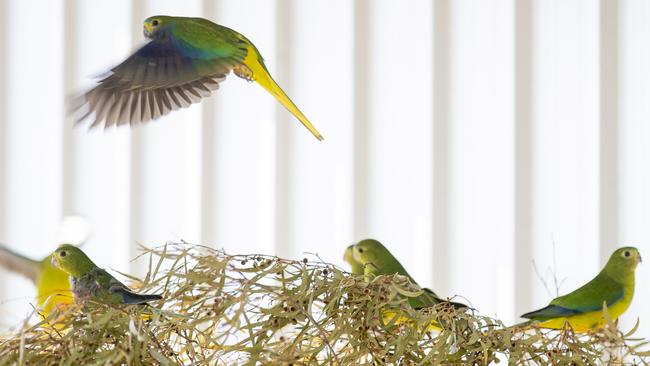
[[146, 30], [55, 264], [355, 256]]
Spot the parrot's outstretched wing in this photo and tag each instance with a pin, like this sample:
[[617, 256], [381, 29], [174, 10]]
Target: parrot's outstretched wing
[[164, 75], [15, 262], [180, 66]]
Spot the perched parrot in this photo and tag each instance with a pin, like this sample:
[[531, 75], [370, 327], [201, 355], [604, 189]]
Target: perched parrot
[[52, 285], [582, 309], [89, 282], [356, 267], [377, 260], [184, 61]]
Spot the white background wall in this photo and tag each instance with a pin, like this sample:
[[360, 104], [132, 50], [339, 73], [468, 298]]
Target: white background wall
[[471, 137]]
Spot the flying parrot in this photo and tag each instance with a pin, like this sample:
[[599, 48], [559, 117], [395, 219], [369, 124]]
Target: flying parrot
[[52, 285], [377, 260], [582, 309], [183, 62], [89, 282]]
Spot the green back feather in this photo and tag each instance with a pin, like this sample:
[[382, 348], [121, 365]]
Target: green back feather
[[613, 284]]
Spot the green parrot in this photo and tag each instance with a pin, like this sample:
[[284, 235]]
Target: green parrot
[[89, 282], [52, 285], [377, 260], [582, 309], [356, 267], [184, 62]]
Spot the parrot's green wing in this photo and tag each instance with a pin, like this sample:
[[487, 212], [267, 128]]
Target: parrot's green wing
[[99, 285], [94, 285], [194, 49], [429, 299], [426, 300], [131, 298], [550, 312], [588, 298], [17, 263], [168, 73], [379, 261]]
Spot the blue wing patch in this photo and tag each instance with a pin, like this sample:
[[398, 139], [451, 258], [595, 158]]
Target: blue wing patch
[[550, 312]]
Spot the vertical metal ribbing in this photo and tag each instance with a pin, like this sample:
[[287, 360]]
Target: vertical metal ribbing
[[136, 154], [70, 58], [3, 133], [208, 181], [441, 153], [284, 13], [523, 155], [360, 85], [3, 118], [609, 134]]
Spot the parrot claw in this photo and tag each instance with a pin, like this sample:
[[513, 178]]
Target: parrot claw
[[244, 72]]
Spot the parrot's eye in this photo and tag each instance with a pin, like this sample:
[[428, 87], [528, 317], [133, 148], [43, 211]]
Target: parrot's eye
[[360, 250], [627, 254], [63, 253], [154, 22]]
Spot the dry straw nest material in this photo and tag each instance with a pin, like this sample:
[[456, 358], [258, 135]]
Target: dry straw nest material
[[222, 309]]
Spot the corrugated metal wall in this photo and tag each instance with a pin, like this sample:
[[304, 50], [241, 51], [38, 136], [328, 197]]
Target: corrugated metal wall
[[470, 136]]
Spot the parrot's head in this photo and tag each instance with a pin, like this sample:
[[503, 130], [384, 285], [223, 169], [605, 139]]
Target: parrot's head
[[371, 252], [152, 26], [623, 262], [72, 260]]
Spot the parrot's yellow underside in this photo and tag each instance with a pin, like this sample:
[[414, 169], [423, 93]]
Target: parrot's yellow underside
[[53, 289], [389, 315], [587, 321]]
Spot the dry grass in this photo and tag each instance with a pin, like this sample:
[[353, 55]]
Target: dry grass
[[253, 309]]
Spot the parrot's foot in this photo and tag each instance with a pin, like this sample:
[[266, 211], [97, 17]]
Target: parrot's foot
[[244, 72]]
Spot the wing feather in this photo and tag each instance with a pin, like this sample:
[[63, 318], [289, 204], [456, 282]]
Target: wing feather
[[588, 298], [165, 74]]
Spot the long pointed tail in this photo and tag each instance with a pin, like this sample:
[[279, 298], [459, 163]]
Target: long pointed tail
[[15, 262], [132, 298], [142, 298], [262, 76]]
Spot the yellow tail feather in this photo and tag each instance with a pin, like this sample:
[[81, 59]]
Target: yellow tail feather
[[262, 76], [389, 315]]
